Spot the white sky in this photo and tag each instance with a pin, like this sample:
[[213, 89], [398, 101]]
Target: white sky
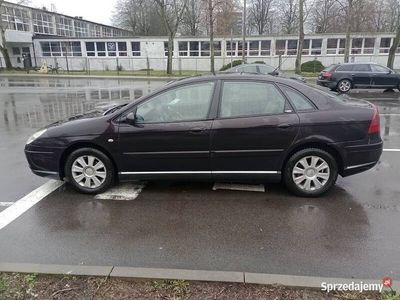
[[99, 11]]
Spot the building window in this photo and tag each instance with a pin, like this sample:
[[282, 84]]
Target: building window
[[291, 47], [194, 48], [385, 45], [94, 30], [369, 44], [356, 45], [312, 47], [42, 23], [107, 32], [135, 48], [265, 48], [16, 51], [81, 28], [254, 48], [205, 49], [280, 47], [183, 48], [15, 18], [231, 48], [335, 46], [217, 48], [64, 26], [110, 48], [61, 48]]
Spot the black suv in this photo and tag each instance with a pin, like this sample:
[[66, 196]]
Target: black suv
[[343, 77]]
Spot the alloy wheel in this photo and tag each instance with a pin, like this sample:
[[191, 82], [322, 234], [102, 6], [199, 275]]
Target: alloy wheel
[[88, 171], [344, 86], [311, 173]]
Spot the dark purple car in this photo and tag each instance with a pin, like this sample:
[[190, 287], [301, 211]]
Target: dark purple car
[[226, 127]]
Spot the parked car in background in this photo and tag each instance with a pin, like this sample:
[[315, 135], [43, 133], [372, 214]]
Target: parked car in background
[[263, 69], [347, 76], [225, 127]]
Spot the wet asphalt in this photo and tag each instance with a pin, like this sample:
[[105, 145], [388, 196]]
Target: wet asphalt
[[351, 232]]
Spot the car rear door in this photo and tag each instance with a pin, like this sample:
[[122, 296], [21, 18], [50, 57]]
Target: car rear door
[[361, 75], [384, 77], [254, 126], [171, 135]]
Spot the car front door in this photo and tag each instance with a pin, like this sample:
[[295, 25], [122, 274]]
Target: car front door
[[384, 77], [254, 126], [361, 75], [170, 135]]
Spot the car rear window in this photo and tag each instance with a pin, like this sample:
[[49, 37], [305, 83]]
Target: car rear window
[[330, 68], [298, 100]]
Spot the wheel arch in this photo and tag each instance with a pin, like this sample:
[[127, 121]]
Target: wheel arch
[[345, 78], [323, 145], [79, 145]]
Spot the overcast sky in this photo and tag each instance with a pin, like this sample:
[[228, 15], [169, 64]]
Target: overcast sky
[[93, 10]]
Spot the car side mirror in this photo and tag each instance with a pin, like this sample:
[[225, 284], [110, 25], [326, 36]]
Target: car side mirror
[[130, 118]]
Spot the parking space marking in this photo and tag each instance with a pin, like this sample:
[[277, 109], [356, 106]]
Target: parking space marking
[[395, 115], [2, 204], [239, 187], [124, 192], [22, 205], [391, 150]]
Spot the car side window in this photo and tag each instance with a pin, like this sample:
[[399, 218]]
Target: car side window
[[241, 99], [379, 69], [361, 68], [265, 69], [187, 103], [299, 101], [345, 68]]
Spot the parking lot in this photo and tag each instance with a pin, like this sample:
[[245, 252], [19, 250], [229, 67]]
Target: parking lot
[[351, 232]]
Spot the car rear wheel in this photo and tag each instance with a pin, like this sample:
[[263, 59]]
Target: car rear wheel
[[343, 86], [310, 172], [89, 170]]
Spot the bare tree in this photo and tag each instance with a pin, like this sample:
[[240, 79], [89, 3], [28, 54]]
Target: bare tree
[[396, 40], [138, 16], [3, 44], [324, 16], [289, 16], [192, 17], [171, 12], [301, 37], [260, 14]]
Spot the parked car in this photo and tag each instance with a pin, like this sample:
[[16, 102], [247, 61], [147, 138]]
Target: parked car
[[226, 127], [344, 77], [263, 69]]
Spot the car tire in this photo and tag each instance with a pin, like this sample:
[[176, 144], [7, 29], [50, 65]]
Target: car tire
[[89, 171], [344, 86], [310, 172]]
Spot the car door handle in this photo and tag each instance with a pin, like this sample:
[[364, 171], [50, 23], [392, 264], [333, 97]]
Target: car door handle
[[196, 130], [284, 125]]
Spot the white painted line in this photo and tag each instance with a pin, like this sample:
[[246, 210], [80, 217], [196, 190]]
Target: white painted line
[[394, 115], [6, 203], [125, 191], [22, 205], [391, 150], [239, 187]]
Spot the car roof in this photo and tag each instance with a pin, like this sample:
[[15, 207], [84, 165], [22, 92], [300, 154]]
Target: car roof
[[234, 76]]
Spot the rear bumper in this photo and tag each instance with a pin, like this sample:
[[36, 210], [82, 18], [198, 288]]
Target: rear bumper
[[326, 83], [361, 158]]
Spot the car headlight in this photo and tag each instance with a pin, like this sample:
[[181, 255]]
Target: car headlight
[[35, 136]]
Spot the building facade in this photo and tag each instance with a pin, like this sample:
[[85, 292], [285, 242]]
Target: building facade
[[76, 44], [23, 24]]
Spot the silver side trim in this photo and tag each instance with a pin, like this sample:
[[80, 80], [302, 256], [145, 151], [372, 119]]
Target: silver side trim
[[46, 172], [200, 172], [245, 151], [361, 165]]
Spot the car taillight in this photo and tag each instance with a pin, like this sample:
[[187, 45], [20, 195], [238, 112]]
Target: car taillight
[[374, 126], [327, 74]]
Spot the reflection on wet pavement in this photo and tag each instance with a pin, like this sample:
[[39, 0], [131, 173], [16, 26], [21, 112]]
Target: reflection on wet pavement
[[27, 104]]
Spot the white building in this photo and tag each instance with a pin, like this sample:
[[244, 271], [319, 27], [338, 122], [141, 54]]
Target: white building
[[76, 44]]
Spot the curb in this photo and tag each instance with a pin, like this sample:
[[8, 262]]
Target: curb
[[182, 274]]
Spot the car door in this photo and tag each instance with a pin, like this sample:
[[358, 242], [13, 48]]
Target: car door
[[383, 77], [361, 75], [170, 135], [254, 126]]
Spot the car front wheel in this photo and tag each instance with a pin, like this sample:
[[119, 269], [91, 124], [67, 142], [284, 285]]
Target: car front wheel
[[310, 172], [344, 86], [89, 170]]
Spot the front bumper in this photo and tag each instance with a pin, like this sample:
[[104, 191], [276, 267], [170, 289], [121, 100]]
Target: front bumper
[[361, 158], [43, 161]]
